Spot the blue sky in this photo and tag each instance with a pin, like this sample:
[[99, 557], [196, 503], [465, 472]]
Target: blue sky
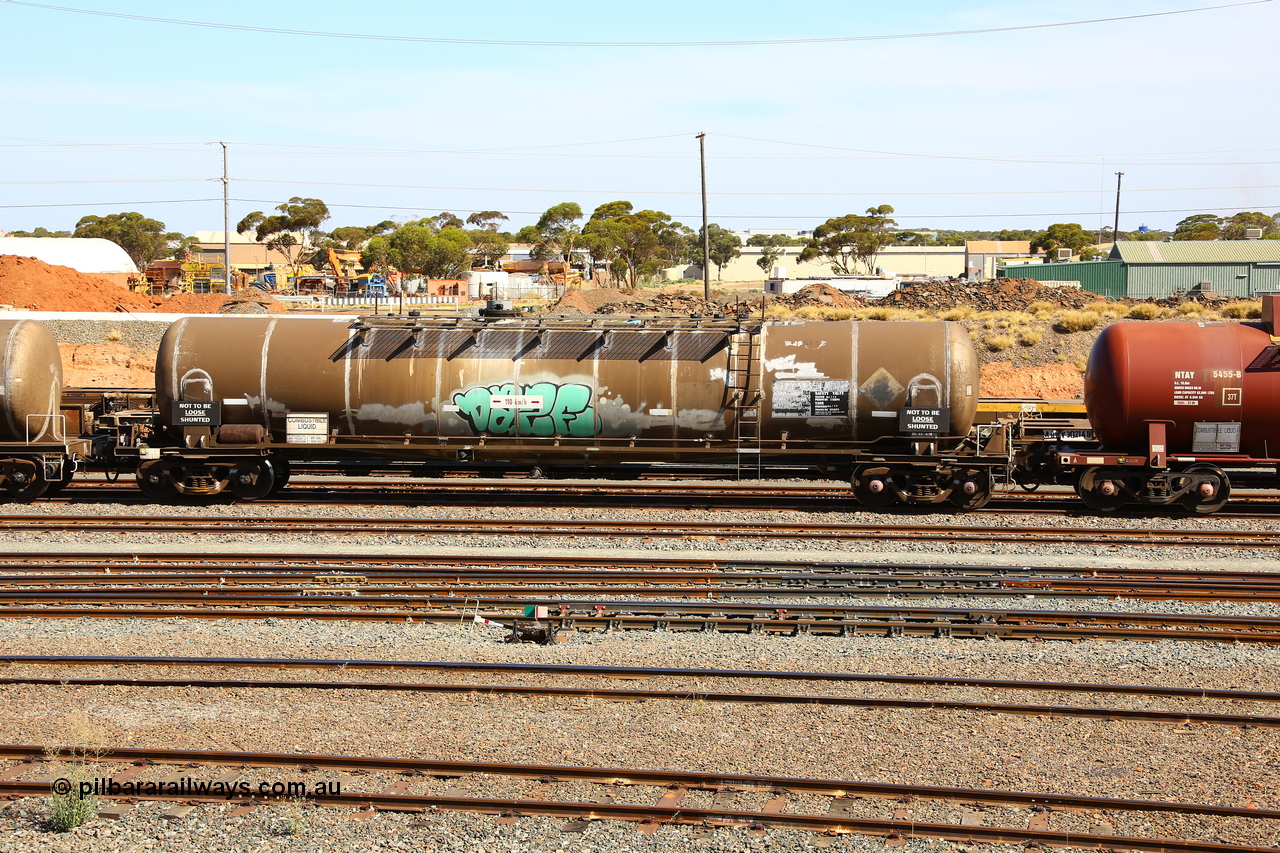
[[1013, 129]]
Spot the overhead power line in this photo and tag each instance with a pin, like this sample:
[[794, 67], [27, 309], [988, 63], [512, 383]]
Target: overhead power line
[[724, 193], [528, 151], [107, 203], [618, 44], [810, 217]]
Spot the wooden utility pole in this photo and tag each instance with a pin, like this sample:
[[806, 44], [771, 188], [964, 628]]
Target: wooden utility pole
[[1115, 229], [706, 233], [226, 222]]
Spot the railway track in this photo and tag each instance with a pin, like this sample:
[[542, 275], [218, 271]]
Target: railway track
[[655, 494], [61, 567], [705, 800], [739, 530], [701, 578], [697, 693], [643, 672], [564, 616]]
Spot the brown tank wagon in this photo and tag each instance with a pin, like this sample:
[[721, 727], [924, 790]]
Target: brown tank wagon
[[33, 453], [240, 398]]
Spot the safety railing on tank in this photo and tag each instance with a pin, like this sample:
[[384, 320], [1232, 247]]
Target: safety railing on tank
[[58, 433]]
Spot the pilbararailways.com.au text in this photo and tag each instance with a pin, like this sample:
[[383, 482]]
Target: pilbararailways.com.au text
[[198, 787]]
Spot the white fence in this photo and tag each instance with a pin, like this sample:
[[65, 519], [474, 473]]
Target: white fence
[[324, 302]]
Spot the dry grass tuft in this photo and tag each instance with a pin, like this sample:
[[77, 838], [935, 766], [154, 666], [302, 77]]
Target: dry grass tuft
[[886, 313], [1145, 311], [1075, 321], [86, 742], [1029, 337], [960, 312], [1041, 310], [996, 343], [1110, 310], [1247, 309]]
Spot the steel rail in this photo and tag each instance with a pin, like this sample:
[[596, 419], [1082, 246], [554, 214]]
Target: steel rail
[[501, 566], [689, 816], [634, 695], [645, 672], [672, 814], [576, 608], [725, 495], [667, 529], [651, 584], [139, 561], [709, 621], [65, 587]]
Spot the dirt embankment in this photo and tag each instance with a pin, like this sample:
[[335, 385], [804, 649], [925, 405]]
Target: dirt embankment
[[1044, 382], [107, 365], [31, 284], [34, 285]]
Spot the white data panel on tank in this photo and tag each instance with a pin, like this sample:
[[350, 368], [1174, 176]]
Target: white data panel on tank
[[306, 427], [810, 398]]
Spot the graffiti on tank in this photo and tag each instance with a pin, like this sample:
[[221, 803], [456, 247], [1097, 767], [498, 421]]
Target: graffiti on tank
[[544, 409]]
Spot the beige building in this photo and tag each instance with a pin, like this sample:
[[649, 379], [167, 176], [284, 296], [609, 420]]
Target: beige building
[[246, 252], [904, 261], [983, 257]]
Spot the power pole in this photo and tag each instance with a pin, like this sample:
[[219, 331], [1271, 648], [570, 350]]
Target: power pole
[[226, 222], [1115, 229], [706, 232]]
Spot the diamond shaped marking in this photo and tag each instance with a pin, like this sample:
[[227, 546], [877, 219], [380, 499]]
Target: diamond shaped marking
[[881, 389]]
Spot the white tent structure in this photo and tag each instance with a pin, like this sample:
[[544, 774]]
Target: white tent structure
[[91, 255]]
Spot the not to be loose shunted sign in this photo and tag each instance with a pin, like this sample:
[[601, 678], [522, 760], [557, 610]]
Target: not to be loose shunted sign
[[924, 421], [196, 413]]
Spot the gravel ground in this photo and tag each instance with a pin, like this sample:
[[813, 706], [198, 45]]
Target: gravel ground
[[137, 332], [1262, 553], [1211, 764]]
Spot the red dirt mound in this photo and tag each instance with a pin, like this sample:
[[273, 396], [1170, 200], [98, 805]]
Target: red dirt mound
[[37, 286]]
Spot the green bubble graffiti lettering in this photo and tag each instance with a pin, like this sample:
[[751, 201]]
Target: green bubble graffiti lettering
[[563, 410]]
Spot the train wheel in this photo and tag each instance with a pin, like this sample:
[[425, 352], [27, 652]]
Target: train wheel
[[1211, 496], [251, 479], [1101, 489], [281, 469], [871, 487], [24, 481], [971, 491], [154, 481]]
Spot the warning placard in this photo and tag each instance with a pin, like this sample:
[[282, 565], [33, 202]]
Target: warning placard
[[924, 421], [306, 427], [196, 413]]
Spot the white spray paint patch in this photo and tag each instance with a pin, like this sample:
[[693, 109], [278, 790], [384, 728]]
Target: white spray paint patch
[[788, 368], [618, 419], [409, 414]]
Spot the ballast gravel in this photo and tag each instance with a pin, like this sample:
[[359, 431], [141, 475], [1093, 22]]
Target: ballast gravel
[[1207, 764]]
